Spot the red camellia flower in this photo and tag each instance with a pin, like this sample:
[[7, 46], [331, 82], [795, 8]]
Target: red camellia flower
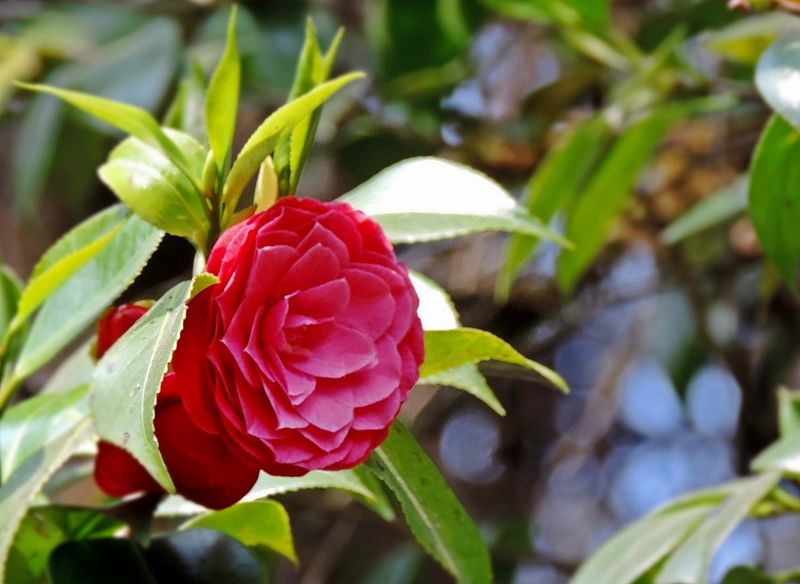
[[201, 466], [302, 354]]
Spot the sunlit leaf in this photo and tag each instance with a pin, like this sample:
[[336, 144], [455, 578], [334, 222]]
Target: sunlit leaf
[[254, 523], [436, 518], [128, 378], [424, 199]]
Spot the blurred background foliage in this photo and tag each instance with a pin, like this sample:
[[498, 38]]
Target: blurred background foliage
[[627, 124]]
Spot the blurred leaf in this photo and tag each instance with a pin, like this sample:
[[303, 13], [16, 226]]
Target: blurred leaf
[[748, 575], [436, 518], [76, 369], [26, 427], [127, 379], [775, 196], [44, 528], [203, 556], [424, 199], [79, 301], [788, 411], [722, 206], [254, 523], [22, 487], [10, 288], [99, 561], [222, 100], [555, 184], [437, 312], [137, 67], [590, 14], [745, 40], [641, 545], [128, 118], [187, 111], [691, 562], [447, 349], [45, 281], [604, 197], [261, 143], [155, 189], [401, 566], [783, 455], [776, 77]]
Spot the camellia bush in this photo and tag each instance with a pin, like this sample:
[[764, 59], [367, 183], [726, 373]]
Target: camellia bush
[[280, 365]]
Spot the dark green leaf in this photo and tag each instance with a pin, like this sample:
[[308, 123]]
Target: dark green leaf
[[79, 301], [691, 561], [447, 349], [254, 523], [203, 556], [775, 196], [555, 184], [433, 513], [718, 208], [155, 189], [748, 575], [222, 100], [776, 77], [423, 199], [128, 377], [99, 561], [10, 288], [26, 427]]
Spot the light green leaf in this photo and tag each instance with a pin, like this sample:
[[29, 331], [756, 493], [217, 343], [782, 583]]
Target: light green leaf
[[155, 189], [746, 39], [128, 118], [26, 427], [128, 378], [718, 208], [19, 491], [81, 299], [788, 411], [690, 563], [437, 312], [776, 77], [46, 281], [640, 546], [775, 196], [604, 197], [555, 184], [783, 455], [266, 137], [424, 199], [445, 350], [223, 98], [436, 518], [76, 369], [255, 523], [358, 481]]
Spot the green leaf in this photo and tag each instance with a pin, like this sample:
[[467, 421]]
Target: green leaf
[[436, 518], [722, 206], [266, 137], [80, 300], [748, 575], [10, 289], [26, 427], [22, 487], [187, 112], [776, 77], [76, 369], [128, 377], [46, 281], [155, 189], [783, 455], [223, 98], [745, 40], [555, 184], [264, 523], [691, 562], [424, 199], [437, 312], [128, 118], [775, 196], [604, 197], [447, 349], [638, 547], [788, 411], [44, 528], [99, 561]]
